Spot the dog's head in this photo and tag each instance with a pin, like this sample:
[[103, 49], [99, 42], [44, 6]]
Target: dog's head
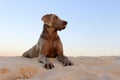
[[54, 21]]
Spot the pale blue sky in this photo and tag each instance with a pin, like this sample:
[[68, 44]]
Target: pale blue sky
[[93, 25]]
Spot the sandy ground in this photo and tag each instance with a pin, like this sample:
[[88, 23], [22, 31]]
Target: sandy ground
[[84, 68]]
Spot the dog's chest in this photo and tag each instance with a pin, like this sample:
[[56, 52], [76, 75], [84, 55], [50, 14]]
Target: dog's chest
[[52, 49]]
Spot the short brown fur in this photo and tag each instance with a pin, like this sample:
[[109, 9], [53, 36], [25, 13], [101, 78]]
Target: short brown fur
[[49, 43]]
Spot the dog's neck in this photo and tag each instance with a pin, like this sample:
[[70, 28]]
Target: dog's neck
[[49, 33]]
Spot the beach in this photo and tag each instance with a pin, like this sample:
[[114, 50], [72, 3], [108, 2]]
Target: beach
[[84, 68]]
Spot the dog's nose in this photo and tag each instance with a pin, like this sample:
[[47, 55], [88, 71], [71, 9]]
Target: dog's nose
[[65, 23]]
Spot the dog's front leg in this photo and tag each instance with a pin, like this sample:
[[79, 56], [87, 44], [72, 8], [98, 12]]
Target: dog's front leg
[[43, 59], [64, 60], [61, 57]]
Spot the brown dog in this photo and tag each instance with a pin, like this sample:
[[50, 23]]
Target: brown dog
[[49, 43]]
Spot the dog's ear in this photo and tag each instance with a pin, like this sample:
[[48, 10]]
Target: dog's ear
[[47, 19]]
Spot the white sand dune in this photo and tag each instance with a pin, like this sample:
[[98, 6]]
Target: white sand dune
[[84, 68]]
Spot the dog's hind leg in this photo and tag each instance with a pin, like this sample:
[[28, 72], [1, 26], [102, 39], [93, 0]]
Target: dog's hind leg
[[31, 53], [26, 54]]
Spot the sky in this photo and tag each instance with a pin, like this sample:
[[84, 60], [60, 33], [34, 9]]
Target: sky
[[93, 26]]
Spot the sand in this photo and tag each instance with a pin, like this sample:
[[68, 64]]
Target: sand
[[84, 68]]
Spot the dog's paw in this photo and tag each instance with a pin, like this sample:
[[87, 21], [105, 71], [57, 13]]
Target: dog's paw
[[67, 63], [49, 66]]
